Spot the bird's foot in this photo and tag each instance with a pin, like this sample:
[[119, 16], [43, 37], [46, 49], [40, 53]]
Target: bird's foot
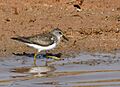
[[53, 57]]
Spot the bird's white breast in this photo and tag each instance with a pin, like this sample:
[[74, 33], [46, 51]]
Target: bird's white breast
[[40, 48]]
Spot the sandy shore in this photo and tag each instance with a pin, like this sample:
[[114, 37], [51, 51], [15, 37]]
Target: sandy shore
[[95, 28]]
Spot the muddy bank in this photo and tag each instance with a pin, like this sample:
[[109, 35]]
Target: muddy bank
[[95, 28]]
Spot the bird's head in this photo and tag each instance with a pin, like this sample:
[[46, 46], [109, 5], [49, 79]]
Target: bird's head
[[57, 32]]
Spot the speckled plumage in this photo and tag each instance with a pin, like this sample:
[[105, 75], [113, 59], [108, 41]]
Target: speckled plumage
[[40, 39], [41, 42]]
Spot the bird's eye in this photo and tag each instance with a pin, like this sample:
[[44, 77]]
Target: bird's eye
[[60, 33]]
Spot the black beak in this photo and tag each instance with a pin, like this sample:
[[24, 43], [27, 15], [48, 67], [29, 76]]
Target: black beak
[[65, 38]]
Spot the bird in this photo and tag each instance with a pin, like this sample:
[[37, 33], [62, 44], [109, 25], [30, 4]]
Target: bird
[[42, 42]]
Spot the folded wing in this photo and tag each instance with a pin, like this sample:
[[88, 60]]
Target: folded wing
[[43, 40]]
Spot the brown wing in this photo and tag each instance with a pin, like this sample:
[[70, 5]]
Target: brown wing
[[41, 39]]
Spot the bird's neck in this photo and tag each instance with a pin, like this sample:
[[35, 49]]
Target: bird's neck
[[58, 39]]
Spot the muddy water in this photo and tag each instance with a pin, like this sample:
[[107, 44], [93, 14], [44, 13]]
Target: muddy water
[[85, 70]]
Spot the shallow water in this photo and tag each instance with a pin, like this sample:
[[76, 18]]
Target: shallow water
[[85, 70]]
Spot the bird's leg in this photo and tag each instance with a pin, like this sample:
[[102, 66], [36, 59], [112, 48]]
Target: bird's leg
[[46, 63], [35, 55], [46, 58], [53, 57]]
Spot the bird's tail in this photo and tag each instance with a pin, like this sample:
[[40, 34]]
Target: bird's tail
[[21, 39]]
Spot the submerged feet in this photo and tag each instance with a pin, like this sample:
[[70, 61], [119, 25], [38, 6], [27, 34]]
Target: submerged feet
[[47, 56]]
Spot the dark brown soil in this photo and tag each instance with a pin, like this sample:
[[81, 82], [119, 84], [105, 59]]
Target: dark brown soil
[[95, 28]]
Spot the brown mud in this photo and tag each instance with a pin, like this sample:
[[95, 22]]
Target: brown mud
[[95, 28]]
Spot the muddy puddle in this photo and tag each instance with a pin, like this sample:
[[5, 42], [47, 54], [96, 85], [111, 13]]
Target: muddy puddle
[[85, 70]]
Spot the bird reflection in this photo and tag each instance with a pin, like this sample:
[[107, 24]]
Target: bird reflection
[[37, 71]]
